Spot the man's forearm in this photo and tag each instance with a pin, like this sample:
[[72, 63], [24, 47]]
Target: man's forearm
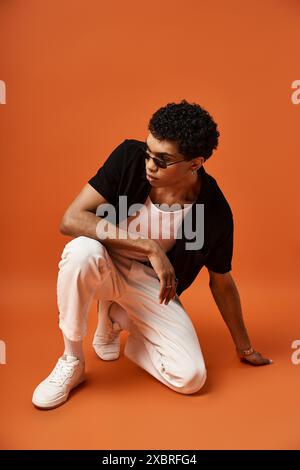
[[228, 302], [88, 224]]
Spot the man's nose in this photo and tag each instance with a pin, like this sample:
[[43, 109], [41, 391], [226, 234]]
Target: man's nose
[[151, 166]]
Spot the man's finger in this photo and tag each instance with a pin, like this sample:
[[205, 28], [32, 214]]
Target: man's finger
[[171, 291], [163, 284]]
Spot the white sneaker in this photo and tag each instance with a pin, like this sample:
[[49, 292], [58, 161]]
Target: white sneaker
[[55, 389], [106, 342]]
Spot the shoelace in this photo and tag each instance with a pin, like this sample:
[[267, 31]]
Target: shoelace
[[61, 372]]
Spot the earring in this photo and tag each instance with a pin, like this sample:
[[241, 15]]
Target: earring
[[193, 172]]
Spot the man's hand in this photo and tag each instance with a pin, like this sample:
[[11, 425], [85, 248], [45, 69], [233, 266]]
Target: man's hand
[[255, 359], [165, 272]]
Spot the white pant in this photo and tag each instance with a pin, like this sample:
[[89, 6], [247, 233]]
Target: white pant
[[162, 338]]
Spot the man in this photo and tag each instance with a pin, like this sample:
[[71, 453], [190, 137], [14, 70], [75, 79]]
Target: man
[[138, 277]]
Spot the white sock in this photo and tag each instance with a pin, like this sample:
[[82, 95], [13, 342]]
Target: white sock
[[73, 348]]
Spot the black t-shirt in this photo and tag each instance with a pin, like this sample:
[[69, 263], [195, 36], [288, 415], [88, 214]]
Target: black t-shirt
[[124, 173]]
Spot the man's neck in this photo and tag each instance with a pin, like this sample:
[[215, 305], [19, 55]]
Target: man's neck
[[187, 189]]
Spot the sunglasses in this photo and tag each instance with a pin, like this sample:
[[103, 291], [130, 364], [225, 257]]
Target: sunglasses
[[161, 163]]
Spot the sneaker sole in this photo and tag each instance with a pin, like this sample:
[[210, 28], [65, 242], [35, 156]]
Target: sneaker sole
[[59, 401]]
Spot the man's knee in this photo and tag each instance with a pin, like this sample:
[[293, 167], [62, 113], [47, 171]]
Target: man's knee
[[196, 381], [82, 250], [193, 379]]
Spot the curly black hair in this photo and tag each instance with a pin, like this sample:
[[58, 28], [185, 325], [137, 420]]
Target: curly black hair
[[189, 125]]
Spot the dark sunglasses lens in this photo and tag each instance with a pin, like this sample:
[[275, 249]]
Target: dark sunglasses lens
[[159, 163]]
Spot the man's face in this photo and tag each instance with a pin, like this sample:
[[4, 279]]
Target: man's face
[[166, 151]]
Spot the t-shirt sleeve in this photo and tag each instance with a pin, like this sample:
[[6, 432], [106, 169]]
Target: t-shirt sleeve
[[220, 258], [107, 179]]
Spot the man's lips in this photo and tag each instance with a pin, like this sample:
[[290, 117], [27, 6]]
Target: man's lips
[[152, 177]]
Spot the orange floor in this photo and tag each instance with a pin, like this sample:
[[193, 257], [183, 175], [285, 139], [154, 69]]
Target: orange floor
[[122, 407]]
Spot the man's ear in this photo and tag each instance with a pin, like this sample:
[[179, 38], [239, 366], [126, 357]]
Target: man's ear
[[197, 163]]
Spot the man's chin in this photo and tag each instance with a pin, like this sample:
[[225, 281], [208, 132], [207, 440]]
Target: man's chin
[[152, 180]]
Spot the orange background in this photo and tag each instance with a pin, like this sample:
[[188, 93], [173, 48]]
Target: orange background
[[81, 77]]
